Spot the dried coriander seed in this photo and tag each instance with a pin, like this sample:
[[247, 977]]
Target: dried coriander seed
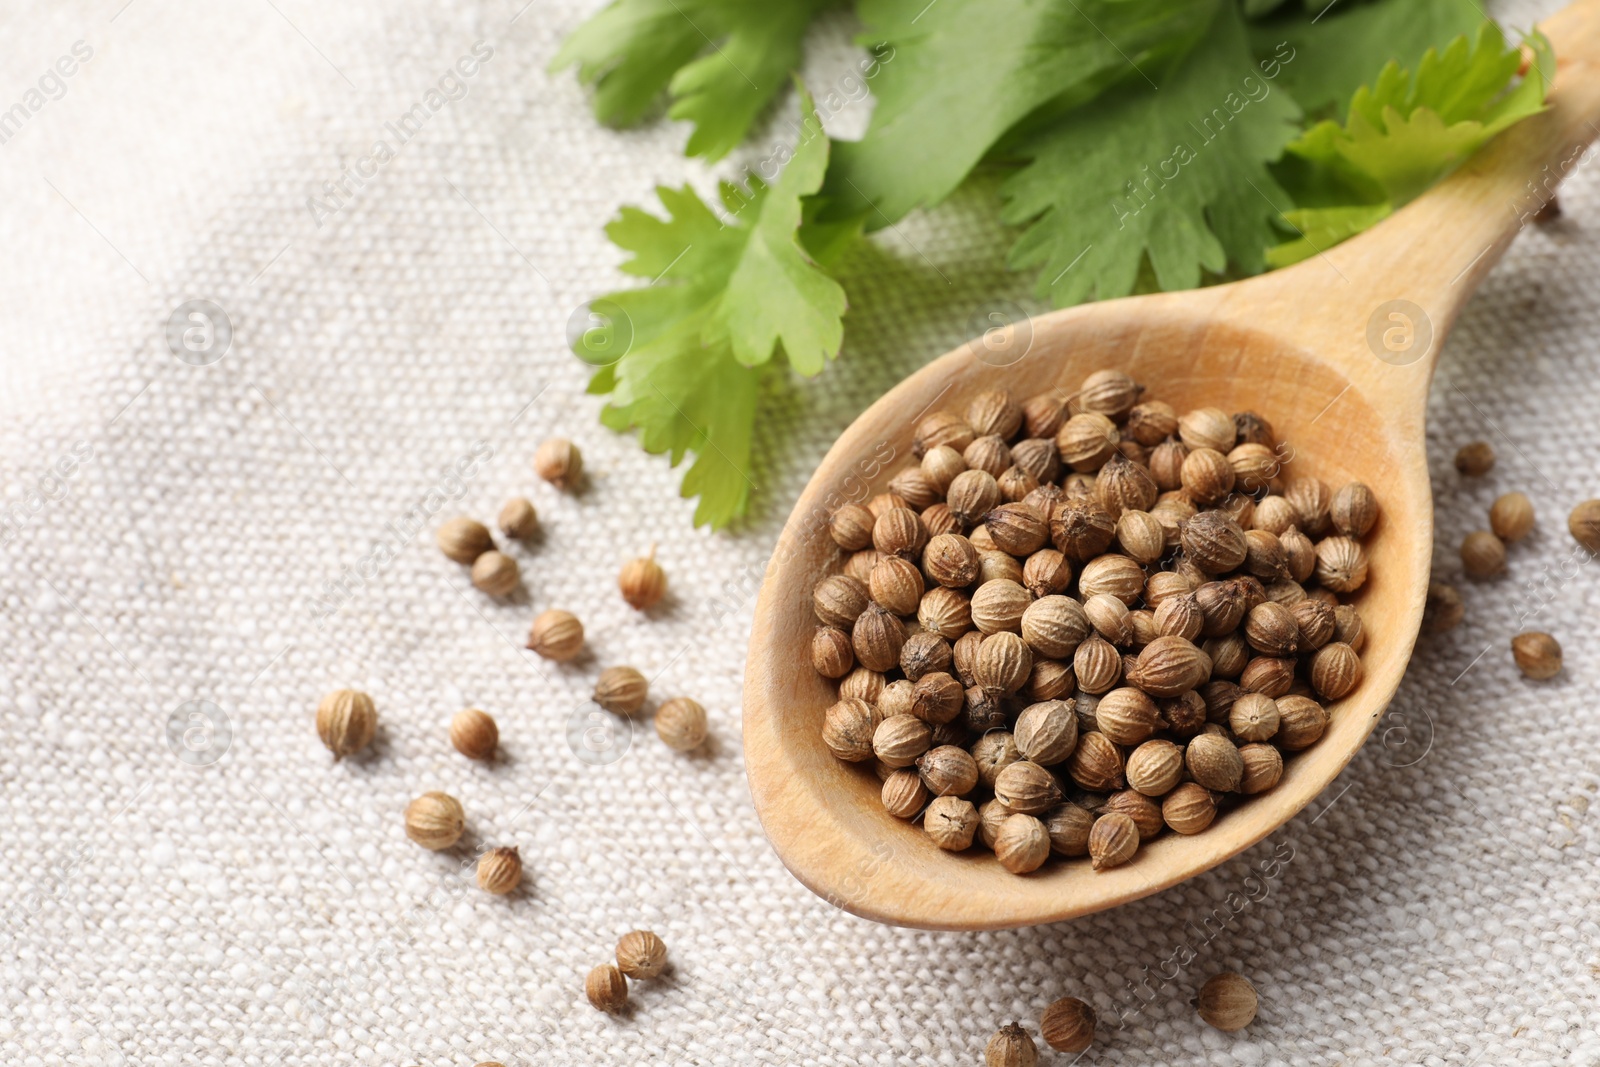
[[1154, 768], [1127, 716], [1253, 717], [1263, 767], [848, 729], [499, 871], [1475, 459], [1214, 762], [474, 734], [435, 820], [347, 719], [1538, 655], [1087, 440], [1003, 664], [641, 954], [1336, 671], [1169, 666], [559, 462], [1068, 826], [1021, 843], [1046, 733], [951, 822], [1017, 529], [681, 723], [1210, 428], [831, 653], [1152, 422], [851, 527], [877, 638], [900, 739], [1207, 476], [1341, 564], [896, 584], [948, 771], [1511, 517], [903, 793], [973, 494], [1068, 1024], [1227, 1001], [1301, 722], [496, 573], [1145, 813], [556, 635], [1113, 840], [1108, 615], [1109, 392], [1353, 510], [1189, 808], [642, 582], [1025, 786], [1483, 555], [1097, 664], [464, 540], [1584, 525], [1054, 626], [518, 519], [1011, 1047], [1096, 764], [606, 988], [1214, 542], [621, 690], [914, 487]]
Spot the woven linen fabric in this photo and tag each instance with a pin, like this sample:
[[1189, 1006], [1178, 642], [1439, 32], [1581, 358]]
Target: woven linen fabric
[[195, 551]]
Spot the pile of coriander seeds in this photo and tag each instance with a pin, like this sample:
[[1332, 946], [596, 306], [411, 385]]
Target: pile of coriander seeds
[[1084, 619]]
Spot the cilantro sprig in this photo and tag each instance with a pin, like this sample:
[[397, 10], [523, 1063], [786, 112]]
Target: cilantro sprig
[[1144, 143]]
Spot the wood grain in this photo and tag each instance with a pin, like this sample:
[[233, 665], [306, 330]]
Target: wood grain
[[1292, 345]]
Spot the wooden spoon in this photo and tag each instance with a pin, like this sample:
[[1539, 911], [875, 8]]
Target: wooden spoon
[[1337, 352]]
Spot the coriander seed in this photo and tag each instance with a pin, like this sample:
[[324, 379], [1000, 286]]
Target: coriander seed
[[1068, 826], [1068, 1025], [1208, 428], [831, 653], [681, 723], [1021, 844], [948, 771], [1475, 459], [1336, 671], [1011, 1047], [1538, 655], [877, 638], [346, 721], [924, 653], [499, 871], [1443, 609], [496, 573], [556, 635], [1113, 840], [1301, 722], [606, 988], [1027, 787], [1054, 626], [559, 462], [896, 584], [851, 527], [1214, 762], [915, 488], [1511, 517], [1046, 733], [1207, 476], [1483, 555], [936, 698], [1227, 1001], [900, 739], [1253, 717], [518, 520], [1109, 392], [1152, 422], [621, 690], [642, 582], [847, 729], [951, 822], [1154, 768], [1189, 808], [1584, 525], [1127, 716], [1341, 564], [474, 734], [1263, 766], [903, 793], [1096, 764], [1002, 665], [641, 954], [1108, 615], [464, 540], [1087, 440], [941, 428], [950, 560], [435, 820]]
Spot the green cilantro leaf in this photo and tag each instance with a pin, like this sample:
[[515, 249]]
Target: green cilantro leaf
[[1177, 173], [722, 61], [1338, 51], [683, 358], [1405, 132], [956, 75]]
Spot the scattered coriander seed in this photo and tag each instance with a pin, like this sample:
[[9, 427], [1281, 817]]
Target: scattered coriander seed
[[1443, 610], [1483, 555], [556, 635], [346, 722], [1021, 844], [1227, 1001], [1584, 525], [496, 573], [1475, 459], [606, 988], [681, 723], [621, 690], [559, 462], [464, 539], [642, 582], [1113, 840], [1068, 1025], [435, 820], [499, 871], [641, 954], [1011, 1047], [1511, 517], [474, 734], [518, 520], [1538, 655]]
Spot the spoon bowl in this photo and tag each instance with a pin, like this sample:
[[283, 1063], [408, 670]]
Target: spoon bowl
[[1336, 352]]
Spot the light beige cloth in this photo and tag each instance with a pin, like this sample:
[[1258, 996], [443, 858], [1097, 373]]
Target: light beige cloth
[[183, 538]]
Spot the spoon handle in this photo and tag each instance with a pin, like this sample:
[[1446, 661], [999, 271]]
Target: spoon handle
[[1394, 291]]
